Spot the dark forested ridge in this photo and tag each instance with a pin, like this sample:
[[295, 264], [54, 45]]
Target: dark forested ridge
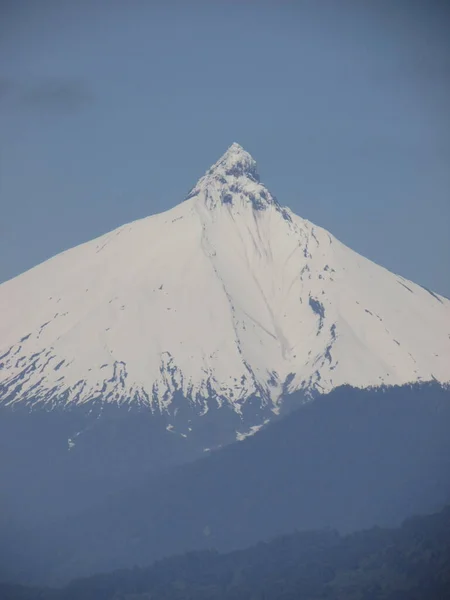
[[347, 461], [64, 458], [409, 563]]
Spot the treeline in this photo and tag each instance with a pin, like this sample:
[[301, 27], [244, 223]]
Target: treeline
[[408, 563]]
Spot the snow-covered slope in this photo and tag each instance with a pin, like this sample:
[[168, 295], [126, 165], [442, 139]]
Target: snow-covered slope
[[227, 295]]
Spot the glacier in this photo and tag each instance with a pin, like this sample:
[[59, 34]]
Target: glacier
[[227, 297]]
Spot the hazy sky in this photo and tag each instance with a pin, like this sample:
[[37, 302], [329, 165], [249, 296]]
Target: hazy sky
[[110, 111]]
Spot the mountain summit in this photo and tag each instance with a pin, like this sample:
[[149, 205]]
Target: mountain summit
[[233, 180], [226, 299], [236, 162]]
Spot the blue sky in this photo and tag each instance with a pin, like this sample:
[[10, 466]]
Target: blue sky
[[110, 111]]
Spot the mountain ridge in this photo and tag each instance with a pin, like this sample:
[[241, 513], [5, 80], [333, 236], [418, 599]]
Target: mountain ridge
[[410, 562]]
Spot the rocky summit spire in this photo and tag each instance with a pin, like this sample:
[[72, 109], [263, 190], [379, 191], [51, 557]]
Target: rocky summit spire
[[236, 162], [233, 180]]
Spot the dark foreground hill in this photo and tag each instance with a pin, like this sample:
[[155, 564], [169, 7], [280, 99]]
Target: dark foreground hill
[[409, 563], [347, 461]]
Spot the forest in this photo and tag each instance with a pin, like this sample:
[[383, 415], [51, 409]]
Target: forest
[[411, 562], [349, 461]]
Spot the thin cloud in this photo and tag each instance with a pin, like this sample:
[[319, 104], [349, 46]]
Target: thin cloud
[[53, 96]]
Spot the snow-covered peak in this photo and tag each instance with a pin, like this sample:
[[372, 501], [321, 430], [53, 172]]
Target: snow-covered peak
[[233, 180], [228, 298]]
